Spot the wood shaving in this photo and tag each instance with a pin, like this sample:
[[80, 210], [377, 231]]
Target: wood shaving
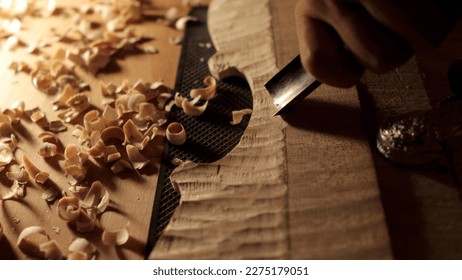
[[206, 93], [69, 208], [136, 158], [74, 160], [1, 231], [51, 250], [238, 115], [120, 166], [16, 191], [81, 248], [150, 49], [112, 133], [48, 137], [47, 150], [97, 198], [92, 121], [132, 116], [175, 40], [18, 174], [115, 237], [6, 154], [134, 137], [171, 15], [111, 153], [176, 134], [39, 176], [181, 23], [190, 108], [30, 239]]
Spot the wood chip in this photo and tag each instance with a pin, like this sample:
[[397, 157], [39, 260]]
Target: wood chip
[[238, 115], [81, 247], [40, 176], [51, 250], [206, 93], [115, 237], [136, 158], [30, 239], [176, 134], [190, 108]]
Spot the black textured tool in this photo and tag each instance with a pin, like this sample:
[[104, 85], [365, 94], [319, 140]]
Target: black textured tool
[[209, 136]]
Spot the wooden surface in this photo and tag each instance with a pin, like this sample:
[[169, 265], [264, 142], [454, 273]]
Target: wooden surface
[[300, 188], [131, 194], [342, 198], [310, 185]]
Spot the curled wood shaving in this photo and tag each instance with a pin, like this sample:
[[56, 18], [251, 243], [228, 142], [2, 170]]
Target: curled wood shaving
[[179, 100], [176, 134], [181, 23], [6, 129], [120, 166], [86, 221], [19, 174], [56, 126], [93, 121], [6, 154], [111, 117], [51, 250], [97, 149], [134, 101], [1, 231], [136, 158], [238, 115], [48, 137], [16, 191], [79, 102], [81, 247], [47, 150], [115, 237], [111, 153], [68, 208], [133, 136], [206, 93], [39, 176], [147, 113], [30, 239], [13, 115], [112, 133], [83, 212], [78, 191], [97, 198], [190, 108], [74, 159], [162, 100]]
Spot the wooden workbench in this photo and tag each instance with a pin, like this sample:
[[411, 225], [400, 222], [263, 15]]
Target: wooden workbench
[[131, 194], [309, 186]]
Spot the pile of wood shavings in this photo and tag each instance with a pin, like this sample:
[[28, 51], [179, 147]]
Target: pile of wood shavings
[[117, 135]]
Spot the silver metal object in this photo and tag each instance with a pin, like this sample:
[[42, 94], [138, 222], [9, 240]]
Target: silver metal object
[[290, 85]]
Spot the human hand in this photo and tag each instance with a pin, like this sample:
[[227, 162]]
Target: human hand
[[340, 39]]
